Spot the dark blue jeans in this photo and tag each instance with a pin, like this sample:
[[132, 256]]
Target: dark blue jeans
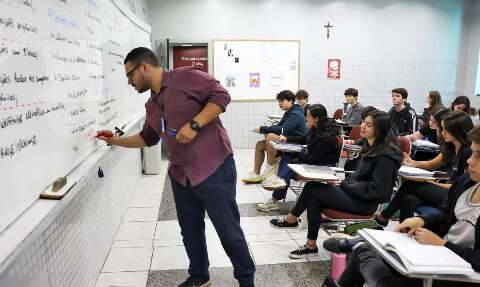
[[216, 195], [286, 173]]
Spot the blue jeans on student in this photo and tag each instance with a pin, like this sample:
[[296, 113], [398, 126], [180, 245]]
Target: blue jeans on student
[[216, 195], [286, 174]]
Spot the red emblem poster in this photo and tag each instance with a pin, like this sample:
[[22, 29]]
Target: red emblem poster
[[333, 69]]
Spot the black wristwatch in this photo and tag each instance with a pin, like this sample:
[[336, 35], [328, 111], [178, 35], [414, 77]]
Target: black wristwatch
[[194, 125]]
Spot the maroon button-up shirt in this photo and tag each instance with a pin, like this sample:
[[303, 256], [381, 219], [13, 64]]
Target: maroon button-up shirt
[[184, 93]]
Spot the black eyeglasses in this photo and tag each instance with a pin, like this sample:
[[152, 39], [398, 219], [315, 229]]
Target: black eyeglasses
[[129, 74]]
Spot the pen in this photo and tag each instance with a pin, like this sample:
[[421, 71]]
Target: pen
[[281, 133]]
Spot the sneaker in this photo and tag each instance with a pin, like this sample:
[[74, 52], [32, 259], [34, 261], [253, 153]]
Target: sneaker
[[270, 170], [269, 205], [282, 223], [192, 282], [253, 178], [273, 183], [338, 244], [303, 252]]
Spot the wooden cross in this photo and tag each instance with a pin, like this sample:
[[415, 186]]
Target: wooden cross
[[328, 26]]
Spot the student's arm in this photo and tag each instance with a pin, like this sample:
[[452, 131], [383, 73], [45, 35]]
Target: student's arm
[[378, 187], [432, 164], [415, 136], [317, 151], [292, 122]]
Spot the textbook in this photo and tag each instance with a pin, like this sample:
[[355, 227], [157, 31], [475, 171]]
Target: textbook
[[418, 258], [408, 171], [314, 172]]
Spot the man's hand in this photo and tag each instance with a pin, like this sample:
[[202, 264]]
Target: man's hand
[[410, 224], [427, 237], [257, 130], [186, 134], [282, 139]]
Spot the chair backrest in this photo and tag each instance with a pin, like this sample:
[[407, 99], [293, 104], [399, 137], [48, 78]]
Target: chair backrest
[[338, 114], [355, 133], [405, 144]]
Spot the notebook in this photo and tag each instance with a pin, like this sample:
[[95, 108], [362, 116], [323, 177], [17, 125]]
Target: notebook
[[418, 258], [286, 147], [425, 143], [314, 172], [409, 171]]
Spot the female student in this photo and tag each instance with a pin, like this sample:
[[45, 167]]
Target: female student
[[457, 227], [434, 102], [429, 131], [461, 103], [455, 150], [322, 149], [371, 184]]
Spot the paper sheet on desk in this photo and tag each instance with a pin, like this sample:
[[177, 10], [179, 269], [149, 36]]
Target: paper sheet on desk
[[424, 143], [320, 173], [414, 172]]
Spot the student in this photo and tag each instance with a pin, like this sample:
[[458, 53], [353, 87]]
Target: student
[[322, 149], [292, 124], [202, 168], [402, 115], [371, 184], [434, 102], [457, 227], [355, 109], [301, 97], [428, 131], [461, 103], [455, 151]]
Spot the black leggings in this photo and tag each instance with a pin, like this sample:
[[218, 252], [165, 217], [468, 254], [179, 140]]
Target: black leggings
[[412, 194], [367, 266], [316, 196]]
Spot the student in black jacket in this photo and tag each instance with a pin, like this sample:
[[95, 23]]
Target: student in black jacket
[[371, 184], [322, 149], [455, 150], [403, 116], [457, 227]]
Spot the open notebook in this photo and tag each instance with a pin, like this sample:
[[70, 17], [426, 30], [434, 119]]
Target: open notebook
[[413, 171], [314, 172], [418, 258]]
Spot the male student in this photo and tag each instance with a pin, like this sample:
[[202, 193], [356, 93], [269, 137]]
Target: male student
[[354, 112], [301, 97], [184, 111], [402, 115], [292, 124], [457, 227]]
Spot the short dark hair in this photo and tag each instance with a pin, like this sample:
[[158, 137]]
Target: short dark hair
[[401, 91], [301, 95], [141, 54], [351, 92], [286, 95], [474, 135]]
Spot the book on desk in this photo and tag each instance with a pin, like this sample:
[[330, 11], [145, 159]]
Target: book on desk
[[418, 258], [314, 172], [418, 173], [287, 147]]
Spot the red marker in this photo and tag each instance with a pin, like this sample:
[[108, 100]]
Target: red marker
[[104, 133]]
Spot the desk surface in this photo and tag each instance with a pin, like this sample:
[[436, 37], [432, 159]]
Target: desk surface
[[398, 266]]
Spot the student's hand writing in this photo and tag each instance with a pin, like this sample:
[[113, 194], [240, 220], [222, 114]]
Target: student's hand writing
[[427, 237], [409, 224], [257, 130], [282, 139], [334, 182], [349, 142], [186, 134]]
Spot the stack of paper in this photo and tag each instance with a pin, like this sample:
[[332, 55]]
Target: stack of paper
[[313, 172], [409, 171], [286, 147], [426, 144]]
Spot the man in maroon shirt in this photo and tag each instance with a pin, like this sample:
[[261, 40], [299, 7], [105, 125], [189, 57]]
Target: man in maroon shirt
[[183, 110]]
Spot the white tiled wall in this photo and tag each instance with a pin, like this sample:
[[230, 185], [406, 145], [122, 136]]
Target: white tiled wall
[[70, 246], [374, 79]]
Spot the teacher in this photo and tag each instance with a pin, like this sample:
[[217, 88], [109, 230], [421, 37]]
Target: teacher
[[183, 110]]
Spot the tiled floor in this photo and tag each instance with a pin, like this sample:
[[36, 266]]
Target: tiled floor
[[148, 250]]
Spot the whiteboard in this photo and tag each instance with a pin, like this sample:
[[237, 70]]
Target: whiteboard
[[61, 79], [256, 69]]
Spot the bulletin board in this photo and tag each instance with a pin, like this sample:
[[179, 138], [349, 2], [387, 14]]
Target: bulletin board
[[256, 69]]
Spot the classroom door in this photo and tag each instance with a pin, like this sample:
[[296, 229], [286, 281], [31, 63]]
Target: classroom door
[[188, 56]]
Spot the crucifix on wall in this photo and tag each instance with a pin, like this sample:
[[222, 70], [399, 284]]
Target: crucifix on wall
[[328, 27]]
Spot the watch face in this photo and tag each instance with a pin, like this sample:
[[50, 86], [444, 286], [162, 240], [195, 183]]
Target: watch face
[[194, 125]]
